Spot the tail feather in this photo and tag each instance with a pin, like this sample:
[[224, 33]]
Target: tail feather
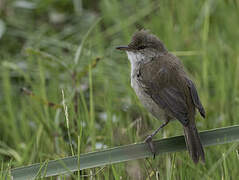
[[193, 143]]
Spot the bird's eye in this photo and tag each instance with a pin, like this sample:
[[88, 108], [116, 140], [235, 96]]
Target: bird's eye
[[141, 47]]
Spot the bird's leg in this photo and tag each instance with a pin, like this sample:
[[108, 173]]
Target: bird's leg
[[149, 141]]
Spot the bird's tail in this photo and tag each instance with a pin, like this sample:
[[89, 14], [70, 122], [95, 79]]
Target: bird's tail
[[193, 143]]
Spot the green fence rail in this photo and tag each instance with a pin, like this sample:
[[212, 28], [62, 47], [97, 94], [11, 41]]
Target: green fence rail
[[121, 154]]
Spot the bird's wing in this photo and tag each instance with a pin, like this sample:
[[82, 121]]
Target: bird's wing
[[156, 81], [195, 98]]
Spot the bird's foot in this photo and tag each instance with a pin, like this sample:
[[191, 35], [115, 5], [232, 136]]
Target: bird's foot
[[149, 141]]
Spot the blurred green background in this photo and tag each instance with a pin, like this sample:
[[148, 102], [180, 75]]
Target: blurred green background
[[47, 46]]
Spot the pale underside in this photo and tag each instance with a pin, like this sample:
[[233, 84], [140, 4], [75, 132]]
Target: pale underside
[[145, 99]]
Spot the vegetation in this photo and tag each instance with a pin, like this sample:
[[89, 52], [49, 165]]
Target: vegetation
[[48, 46]]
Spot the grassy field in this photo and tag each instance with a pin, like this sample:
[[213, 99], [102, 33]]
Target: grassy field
[[48, 46]]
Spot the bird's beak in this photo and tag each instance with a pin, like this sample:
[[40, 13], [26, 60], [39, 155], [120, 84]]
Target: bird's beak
[[123, 48]]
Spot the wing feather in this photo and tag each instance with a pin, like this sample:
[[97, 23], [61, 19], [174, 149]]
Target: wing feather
[[169, 97], [195, 98]]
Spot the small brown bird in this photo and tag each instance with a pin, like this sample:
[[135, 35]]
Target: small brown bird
[[163, 87]]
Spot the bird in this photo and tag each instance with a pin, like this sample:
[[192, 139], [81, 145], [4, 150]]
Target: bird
[[163, 87]]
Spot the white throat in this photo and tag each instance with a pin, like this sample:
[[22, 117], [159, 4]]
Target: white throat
[[135, 58]]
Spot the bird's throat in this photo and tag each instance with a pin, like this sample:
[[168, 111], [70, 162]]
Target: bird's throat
[[135, 60]]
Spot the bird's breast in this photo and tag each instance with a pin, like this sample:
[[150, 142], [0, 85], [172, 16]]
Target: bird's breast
[[146, 100]]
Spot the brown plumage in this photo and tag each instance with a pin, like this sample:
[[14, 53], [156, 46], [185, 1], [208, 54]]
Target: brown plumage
[[160, 82]]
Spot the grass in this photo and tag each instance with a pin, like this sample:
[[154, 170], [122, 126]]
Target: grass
[[39, 46]]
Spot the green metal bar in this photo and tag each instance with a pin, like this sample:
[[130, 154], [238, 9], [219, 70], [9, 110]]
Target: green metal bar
[[121, 154]]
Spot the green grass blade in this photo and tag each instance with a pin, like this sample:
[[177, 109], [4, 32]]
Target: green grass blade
[[124, 153], [79, 49]]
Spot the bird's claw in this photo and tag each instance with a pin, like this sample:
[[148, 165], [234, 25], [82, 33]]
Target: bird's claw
[[149, 141]]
